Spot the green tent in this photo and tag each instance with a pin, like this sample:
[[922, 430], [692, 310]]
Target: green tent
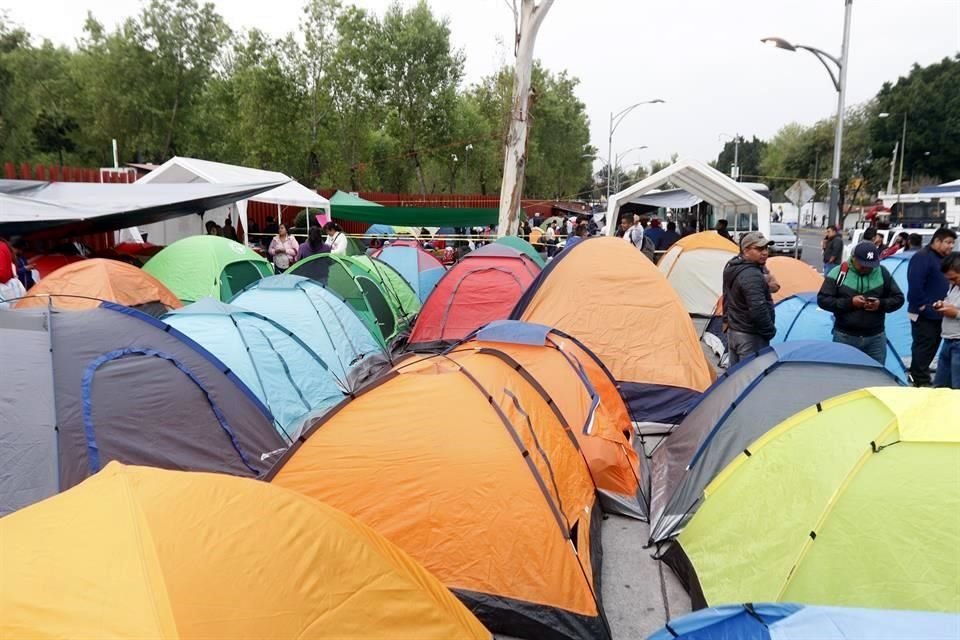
[[523, 246], [363, 285], [854, 502], [207, 266]]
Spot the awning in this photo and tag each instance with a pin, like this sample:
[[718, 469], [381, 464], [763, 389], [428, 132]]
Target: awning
[[672, 199], [27, 206], [416, 216]]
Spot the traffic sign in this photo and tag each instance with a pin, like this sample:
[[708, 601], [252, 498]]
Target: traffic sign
[[800, 193]]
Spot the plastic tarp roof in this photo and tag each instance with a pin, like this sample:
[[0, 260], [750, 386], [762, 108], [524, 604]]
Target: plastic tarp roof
[[698, 179], [291, 192], [30, 205], [671, 199]]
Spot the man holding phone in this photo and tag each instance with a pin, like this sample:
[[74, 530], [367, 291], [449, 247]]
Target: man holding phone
[[860, 293]]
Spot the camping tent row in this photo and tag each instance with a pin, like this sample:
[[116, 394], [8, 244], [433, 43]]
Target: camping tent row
[[174, 554], [811, 485]]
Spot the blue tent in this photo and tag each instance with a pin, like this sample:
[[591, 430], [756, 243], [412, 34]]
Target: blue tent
[[800, 622], [379, 230], [285, 374], [898, 323], [799, 318], [420, 269], [748, 400], [324, 321]]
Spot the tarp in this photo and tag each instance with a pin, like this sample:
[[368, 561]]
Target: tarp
[[670, 199], [694, 268], [465, 466], [417, 216], [87, 283], [851, 502], [324, 321], [287, 376], [737, 410], [612, 298], [28, 206], [787, 621], [82, 388], [145, 553]]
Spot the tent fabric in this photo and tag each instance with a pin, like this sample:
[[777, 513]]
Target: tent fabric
[[522, 245], [787, 621], [794, 276], [485, 488], [27, 206], [730, 199], [609, 296], [207, 266], [373, 289], [417, 216], [481, 288], [419, 269], [669, 199], [293, 382], [146, 553], [694, 268], [587, 398], [848, 498], [116, 384], [325, 323], [799, 318], [86, 283], [737, 410]]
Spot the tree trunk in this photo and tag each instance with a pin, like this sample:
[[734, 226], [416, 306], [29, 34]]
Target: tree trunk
[[420, 179], [515, 152]]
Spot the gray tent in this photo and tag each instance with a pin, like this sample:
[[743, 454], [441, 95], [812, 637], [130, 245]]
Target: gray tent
[[82, 388], [745, 403]]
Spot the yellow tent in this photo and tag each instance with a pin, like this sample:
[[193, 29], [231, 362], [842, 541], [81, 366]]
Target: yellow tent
[[135, 552]]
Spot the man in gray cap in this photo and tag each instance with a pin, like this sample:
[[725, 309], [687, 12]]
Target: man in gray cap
[[747, 304], [860, 293]]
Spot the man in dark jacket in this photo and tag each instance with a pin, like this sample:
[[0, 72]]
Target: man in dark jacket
[[747, 303], [860, 293], [669, 237], [926, 284], [832, 250]]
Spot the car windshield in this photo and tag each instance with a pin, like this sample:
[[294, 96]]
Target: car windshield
[[780, 229]]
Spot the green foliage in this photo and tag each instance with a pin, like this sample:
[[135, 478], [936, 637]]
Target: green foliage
[[750, 153]]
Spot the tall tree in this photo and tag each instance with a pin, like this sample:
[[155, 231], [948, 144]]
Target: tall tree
[[527, 21], [750, 153]]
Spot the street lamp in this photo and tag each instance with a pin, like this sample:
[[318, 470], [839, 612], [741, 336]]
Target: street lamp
[[840, 83], [616, 162], [737, 139], [902, 150], [615, 120]]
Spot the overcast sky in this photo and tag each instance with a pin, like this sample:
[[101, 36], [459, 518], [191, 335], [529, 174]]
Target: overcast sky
[[704, 57]]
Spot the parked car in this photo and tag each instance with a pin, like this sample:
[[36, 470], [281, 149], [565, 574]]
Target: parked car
[[784, 241]]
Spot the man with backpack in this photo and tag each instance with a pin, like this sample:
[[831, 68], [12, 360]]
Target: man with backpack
[[859, 293]]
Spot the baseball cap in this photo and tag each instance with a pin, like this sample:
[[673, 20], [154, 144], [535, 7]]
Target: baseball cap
[[754, 239], [867, 255]]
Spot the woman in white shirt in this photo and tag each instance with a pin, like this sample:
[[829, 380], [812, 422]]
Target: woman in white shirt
[[337, 240]]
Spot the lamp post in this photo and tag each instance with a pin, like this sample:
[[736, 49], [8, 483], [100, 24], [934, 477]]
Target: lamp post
[[616, 162], [735, 168], [615, 120], [840, 84], [902, 150]]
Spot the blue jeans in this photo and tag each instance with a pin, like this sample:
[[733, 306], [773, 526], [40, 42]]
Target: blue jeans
[[873, 346], [948, 366]]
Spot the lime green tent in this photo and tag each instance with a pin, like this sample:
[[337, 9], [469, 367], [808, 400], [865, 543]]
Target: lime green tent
[[207, 266], [854, 502], [522, 245], [385, 303]]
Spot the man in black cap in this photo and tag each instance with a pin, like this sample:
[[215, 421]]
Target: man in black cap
[[747, 303], [859, 293]]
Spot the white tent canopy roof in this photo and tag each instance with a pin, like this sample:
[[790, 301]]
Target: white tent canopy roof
[[292, 193], [703, 181]]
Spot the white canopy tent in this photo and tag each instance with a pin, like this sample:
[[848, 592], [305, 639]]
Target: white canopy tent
[[180, 170], [730, 199]]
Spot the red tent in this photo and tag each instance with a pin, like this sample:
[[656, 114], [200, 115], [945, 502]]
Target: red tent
[[482, 288]]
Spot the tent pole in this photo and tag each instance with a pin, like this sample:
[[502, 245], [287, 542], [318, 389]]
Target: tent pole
[[308, 221]]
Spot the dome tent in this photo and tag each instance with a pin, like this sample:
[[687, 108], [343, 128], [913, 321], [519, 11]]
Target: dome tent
[[609, 296], [736, 411], [420, 269], [498, 503], [145, 553], [520, 244], [325, 323], [799, 318], [207, 266], [842, 504], [285, 374], [481, 288], [694, 268], [87, 283], [111, 383]]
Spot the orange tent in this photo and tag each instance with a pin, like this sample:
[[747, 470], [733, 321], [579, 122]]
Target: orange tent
[[465, 465], [694, 268], [136, 552], [609, 296], [87, 283], [586, 396]]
